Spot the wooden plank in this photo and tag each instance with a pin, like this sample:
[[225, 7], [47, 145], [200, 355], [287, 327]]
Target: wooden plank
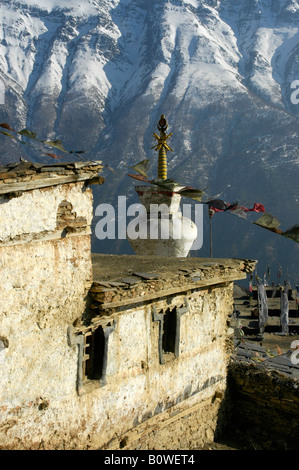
[[88, 333], [43, 182], [208, 283]]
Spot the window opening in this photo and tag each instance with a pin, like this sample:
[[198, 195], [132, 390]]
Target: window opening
[[169, 331], [93, 354]]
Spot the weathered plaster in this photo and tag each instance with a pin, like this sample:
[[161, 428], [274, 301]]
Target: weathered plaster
[[35, 212], [46, 300], [138, 387]]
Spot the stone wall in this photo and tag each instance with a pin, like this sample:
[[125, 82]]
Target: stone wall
[[37, 214], [265, 409], [45, 277], [144, 404], [177, 401], [155, 388], [184, 426]]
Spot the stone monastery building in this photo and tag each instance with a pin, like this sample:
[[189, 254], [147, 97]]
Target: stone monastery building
[[102, 351]]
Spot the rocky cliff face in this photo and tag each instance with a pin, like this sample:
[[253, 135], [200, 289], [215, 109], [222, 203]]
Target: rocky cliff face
[[98, 74]]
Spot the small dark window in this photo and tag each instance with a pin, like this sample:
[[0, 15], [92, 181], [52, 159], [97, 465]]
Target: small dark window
[[169, 331], [93, 356]]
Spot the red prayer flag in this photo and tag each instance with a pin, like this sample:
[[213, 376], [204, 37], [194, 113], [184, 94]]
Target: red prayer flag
[[256, 208]]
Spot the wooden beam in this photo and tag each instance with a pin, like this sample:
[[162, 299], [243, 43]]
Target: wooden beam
[[43, 181], [208, 283]]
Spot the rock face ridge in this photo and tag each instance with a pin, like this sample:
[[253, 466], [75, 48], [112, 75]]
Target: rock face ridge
[[97, 74]]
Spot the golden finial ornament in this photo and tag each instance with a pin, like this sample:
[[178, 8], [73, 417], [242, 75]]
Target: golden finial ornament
[[163, 147]]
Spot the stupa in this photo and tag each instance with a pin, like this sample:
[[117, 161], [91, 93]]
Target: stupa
[[164, 230]]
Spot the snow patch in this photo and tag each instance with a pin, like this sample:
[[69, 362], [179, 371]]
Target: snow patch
[[80, 7]]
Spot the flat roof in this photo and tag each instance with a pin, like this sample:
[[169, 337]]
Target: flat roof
[[120, 280], [109, 266], [25, 176]]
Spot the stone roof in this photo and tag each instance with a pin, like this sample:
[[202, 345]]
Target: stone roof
[[24, 176], [260, 357], [121, 280]]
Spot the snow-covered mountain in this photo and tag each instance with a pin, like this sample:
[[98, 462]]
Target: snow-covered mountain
[[98, 74]]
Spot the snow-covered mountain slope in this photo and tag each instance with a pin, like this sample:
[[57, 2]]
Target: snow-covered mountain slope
[[98, 74]]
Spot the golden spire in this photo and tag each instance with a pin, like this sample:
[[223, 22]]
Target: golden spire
[[163, 147]]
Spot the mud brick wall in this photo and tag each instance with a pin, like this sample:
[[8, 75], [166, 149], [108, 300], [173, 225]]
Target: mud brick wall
[[143, 405], [47, 401], [190, 424], [45, 277], [265, 406], [174, 405]]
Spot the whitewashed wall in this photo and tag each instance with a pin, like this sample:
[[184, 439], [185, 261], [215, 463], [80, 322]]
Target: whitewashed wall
[[35, 212], [44, 288], [138, 389]]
